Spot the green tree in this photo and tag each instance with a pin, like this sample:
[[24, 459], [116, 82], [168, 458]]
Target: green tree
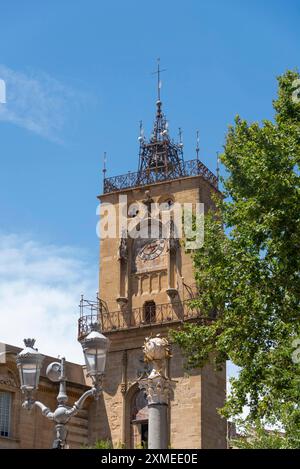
[[248, 271], [257, 437]]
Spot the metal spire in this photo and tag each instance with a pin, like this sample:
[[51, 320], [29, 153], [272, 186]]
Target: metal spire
[[159, 157]]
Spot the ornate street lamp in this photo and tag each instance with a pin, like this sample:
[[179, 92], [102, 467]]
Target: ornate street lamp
[[95, 346], [29, 362]]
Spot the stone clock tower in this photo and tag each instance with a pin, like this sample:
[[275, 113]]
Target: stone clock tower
[[145, 284]]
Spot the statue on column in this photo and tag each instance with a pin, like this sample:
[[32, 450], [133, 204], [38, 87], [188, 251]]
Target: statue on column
[[157, 351], [157, 386], [157, 383]]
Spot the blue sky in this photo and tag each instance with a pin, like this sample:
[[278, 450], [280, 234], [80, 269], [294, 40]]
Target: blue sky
[[78, 77]]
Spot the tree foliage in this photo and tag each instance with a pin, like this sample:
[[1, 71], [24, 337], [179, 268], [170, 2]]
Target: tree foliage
[[248, 270], [257, 437]]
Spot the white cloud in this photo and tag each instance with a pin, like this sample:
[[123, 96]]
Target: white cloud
[[38, 102], [40, 287]]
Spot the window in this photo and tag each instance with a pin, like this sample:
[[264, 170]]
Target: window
[[149, 311], [5, 410]]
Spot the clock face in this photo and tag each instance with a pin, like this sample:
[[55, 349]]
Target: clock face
[[152, 249]]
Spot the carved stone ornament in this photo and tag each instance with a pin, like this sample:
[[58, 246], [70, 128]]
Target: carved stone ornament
[[123, 248], [122, 302], [157, 389], [147, 201], [172, 293], [8, 380], [156, 351]]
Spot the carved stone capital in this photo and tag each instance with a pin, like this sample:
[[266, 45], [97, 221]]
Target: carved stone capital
[[172, 292], [122, 302], [157, 389]]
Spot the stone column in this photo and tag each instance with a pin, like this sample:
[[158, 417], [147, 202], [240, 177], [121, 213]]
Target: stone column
[[157, 387], [123, 391], [157, 390]]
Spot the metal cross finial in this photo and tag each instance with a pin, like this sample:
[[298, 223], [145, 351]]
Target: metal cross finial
[[158, 72]]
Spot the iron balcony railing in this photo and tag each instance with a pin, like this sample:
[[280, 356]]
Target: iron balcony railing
[[152, 176], [146, 316]]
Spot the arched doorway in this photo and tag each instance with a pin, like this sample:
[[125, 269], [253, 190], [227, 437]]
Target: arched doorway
[[139, 420]]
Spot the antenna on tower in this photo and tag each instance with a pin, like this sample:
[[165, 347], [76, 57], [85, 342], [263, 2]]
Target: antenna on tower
[[218, 169], [104, 165], [141, 136], [180, 136], [197, 145]]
